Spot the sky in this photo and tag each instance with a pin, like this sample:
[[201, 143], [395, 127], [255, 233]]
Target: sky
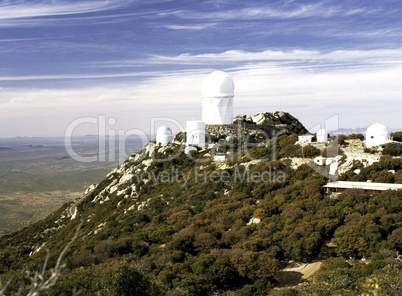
[[82, 67]]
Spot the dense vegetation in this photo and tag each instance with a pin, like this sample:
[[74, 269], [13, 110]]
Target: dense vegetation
[[224, 230], [397, 136]]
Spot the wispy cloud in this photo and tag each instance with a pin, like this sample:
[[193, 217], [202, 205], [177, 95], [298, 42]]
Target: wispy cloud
[[260, 86], [312, 59], [308, 61], [30, 9], [46, 12], [75, 76], [195, 27], [258, 12]]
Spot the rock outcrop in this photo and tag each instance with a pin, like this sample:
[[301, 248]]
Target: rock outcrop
[[279, 122], [259, 125]]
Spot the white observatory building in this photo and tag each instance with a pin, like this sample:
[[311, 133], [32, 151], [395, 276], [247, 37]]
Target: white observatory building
[[164, 135], [377, 135], [217, 98], [195, 134], [322, 136]]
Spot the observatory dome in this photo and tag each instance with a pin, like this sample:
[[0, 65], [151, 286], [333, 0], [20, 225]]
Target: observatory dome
[[164, 131], [376, 134], [164, 135], [217, 84]]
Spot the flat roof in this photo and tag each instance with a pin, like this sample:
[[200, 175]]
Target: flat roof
[[363, 185]]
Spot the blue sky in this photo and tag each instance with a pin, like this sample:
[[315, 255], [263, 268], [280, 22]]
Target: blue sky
[[137, 60]]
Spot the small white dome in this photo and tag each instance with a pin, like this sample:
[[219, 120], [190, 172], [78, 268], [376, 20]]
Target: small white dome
[[376, 134], [217, 84], [164, 135], [164, 131], [377, 129]]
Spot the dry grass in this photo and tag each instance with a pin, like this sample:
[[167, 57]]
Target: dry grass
[[19, 209]]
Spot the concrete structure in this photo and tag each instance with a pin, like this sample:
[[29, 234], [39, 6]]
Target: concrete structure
[[164, 135], [220, 157], [340, 186], [322, 136], [217, 98], [195, 134], [377, 135], [305, 139], [319, 160]]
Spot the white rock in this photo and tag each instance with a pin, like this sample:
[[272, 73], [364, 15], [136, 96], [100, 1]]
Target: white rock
[[91, 188], [258, 118], [113, 188], [126, 177], [121, 192], [74, 214], [254, 221]]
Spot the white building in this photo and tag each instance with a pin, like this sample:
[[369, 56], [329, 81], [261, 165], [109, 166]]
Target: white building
[[217, 98], [377, 135], [164, 135], [305, 139], [323, 161], [322, 136], [319, 160], [372, 187], [195, 134]]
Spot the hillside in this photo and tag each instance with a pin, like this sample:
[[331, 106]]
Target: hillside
[[166, 223]]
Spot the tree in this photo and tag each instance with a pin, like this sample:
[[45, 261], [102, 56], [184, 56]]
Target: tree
[[393, 149], [356, 137], [204, 241], [310, 151], [256, 265], [183, 240], [118, 278], [397, 136], [341, 140], [383, 177], [395, 239], [359, 237], [43, 280]]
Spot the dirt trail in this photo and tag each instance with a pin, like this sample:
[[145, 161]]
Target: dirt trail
[[310, 270], [293, 276]]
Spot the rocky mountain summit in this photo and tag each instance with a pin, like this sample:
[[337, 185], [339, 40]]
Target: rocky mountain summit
[[277, 123], [261, 125]]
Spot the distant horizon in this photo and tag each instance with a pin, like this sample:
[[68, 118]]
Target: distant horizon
[[62, 137]]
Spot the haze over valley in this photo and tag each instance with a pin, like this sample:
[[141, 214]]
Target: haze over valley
[[37, 176]]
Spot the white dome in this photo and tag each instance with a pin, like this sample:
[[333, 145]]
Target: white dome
[[217, 84], [164, 135], [164, 131], [377, 129], [376, 134]]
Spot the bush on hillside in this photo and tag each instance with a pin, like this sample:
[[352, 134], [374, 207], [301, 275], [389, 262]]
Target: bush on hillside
[[393, 149]]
